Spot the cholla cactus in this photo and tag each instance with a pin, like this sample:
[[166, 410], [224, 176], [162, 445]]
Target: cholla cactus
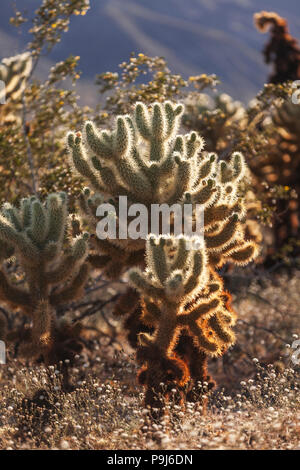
[[54, 270], [179, 293], [14, 72], [287, 118], [145, 159], [284, 165], [281, 164], [278, 163], [214, 118]]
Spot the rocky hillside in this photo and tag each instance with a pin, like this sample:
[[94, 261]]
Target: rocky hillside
[[195, 36]]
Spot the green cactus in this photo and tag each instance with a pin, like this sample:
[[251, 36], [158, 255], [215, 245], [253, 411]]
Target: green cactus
[[276, 165], [53, 266], [180, 293], [214, 118], [145, 159]]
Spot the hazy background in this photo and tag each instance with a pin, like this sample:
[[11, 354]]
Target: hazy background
[[195, 36]]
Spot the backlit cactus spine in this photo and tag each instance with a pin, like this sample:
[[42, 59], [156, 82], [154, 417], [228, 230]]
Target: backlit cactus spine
[[179, 294], [53, 267], [145, 159]]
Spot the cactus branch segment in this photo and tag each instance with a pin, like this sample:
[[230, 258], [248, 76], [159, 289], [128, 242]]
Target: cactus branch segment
[[189, 300]]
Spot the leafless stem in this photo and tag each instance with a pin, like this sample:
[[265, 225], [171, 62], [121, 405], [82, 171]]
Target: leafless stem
[[96, 308]]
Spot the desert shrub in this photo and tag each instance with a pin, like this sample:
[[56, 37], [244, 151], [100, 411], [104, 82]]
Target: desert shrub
[[35, 116], [167, 168], [146, 79]]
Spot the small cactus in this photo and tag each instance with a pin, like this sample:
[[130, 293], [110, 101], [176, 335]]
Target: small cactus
[[145, 159], [53, 267], [180, 293]]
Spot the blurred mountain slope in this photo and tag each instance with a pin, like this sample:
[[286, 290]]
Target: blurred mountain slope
[[195, 36]]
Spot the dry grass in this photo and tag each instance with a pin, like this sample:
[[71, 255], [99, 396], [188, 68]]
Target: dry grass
[[259, 407]]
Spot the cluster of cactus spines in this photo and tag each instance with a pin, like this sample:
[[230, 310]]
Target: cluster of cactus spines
[[53, 265], [14, 72], [145, 159], [180, 293]]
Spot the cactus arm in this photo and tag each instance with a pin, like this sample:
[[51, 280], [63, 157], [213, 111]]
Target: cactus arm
[[47, 257], [80, 163], [216, 324], [142, 285], [197, 269], [202, 342], [225, 235], [181, 185]]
